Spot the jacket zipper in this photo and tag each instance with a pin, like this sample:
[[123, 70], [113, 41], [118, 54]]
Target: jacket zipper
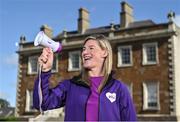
[[105, 87], [86, 103], [99, 106]]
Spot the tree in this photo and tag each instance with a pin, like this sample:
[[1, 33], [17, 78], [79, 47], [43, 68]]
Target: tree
[[4, 103]]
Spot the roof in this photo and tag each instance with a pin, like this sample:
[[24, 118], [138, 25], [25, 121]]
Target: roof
[[107, 28], [141, 23]]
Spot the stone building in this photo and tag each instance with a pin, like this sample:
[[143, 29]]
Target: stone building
[[145, 57]]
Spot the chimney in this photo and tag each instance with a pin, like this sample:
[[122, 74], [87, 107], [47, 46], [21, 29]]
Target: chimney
[[83, 20], [126, 14], [47, 30]]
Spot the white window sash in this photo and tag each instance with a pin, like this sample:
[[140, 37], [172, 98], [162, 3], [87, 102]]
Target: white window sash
[[130, 88], [145, 97], [144, 51], [28, 101], [56, 63], [120, 64], [70, 62], [30, 69]]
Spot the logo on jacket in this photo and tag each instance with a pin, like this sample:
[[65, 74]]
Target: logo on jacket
[[111, 96]]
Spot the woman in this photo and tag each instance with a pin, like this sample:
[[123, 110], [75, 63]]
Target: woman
[[94, 94]]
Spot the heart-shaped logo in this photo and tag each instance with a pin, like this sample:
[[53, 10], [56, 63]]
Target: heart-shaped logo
[[111, 96]]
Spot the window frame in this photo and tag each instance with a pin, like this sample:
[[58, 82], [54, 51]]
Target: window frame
[[145, 96], [144, 52], [29, 101], [70, 54], [55, 59], [30, 72], [120, 64], [130, 88]]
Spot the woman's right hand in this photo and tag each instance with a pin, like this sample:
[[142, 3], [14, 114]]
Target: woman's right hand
[[46, 59]]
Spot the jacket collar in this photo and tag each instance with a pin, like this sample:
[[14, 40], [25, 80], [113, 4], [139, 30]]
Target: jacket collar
[[110, 80], [78, 80]]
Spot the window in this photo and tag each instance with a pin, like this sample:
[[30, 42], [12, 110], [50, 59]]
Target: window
[[55, 63], [130, 88], [29, 100], [150, 53], [74, 62], [33, 65], [151, 96], [124, 56]]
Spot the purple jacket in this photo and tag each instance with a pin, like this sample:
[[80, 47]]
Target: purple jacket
[[115, 103]]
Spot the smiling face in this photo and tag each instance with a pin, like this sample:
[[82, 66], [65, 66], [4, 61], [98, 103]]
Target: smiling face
[[92, 55]]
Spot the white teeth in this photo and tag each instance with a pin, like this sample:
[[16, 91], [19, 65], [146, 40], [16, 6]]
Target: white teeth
[[87, 58]]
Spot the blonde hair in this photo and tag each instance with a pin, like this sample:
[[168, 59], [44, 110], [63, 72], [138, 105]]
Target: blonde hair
[[107, 68]]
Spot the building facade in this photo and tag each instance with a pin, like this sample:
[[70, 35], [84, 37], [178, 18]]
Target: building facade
[[145, 57]]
